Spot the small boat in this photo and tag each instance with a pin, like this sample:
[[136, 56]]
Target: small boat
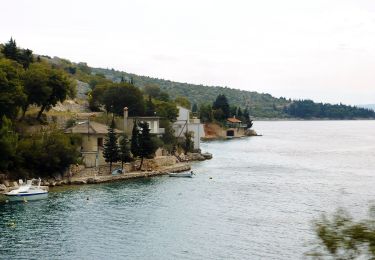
[[182, 174], [27, 192]]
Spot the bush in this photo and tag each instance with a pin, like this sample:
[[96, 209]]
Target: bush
[[47, 153]]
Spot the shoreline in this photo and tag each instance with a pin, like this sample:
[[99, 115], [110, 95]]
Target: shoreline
[[178, 167], [97, 179]]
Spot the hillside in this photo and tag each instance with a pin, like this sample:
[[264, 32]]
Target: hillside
[[260, 105]]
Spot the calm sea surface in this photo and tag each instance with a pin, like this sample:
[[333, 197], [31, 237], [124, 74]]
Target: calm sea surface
[[259, 204]]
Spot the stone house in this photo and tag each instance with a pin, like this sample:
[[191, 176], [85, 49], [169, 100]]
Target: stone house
[[235, 128], [93, 135], [186, 124], [128, 123]]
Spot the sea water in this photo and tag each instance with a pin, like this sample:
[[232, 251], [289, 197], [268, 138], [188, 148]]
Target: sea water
[[256, 199]]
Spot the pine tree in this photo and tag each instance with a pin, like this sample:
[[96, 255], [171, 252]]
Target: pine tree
[[146, 143], [125, 155], [221, 103], [111, 149], [134, 148], [10, 50]]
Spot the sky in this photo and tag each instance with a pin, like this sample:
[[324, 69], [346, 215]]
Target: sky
[[322, 50]]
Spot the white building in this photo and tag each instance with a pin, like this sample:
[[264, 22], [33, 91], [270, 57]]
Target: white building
[[186, 124]]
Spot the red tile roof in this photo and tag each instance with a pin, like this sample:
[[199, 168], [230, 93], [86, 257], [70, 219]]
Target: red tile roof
[[233, 120]]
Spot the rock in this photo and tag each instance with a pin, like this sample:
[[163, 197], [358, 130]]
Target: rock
[[52, 184], [195, 157], [3, 187], [6, 183], [45, 183], [91, 181], [78, 182], [251, 132], [2, 177], [207, 156], [15, 184], [59, 183]]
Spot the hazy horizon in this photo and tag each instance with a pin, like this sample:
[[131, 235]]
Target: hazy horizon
[[296, 49]]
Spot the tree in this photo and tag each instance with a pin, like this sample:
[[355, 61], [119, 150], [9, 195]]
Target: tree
[[12, 95], [134, 147], [120, 95], [36, 86], [60, 87], [24, 57], [8, 143], [167, 110], [10, 50], [147, 146], [47, 153], [340, 237], [221, 102], [206, 113], [111, 149], [247, 119], [182, 101], [152, 90], [125, 155], [188, 144]]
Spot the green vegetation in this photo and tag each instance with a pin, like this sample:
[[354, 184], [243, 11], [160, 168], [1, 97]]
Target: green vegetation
[[46, 153], [143, 145], [8, 144], [111, 149], [25, 82], [340, 237], [125, 154], [221, 108], [307, 109]]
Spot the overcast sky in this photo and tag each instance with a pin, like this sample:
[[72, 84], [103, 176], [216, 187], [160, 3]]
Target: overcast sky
[[322, 49]]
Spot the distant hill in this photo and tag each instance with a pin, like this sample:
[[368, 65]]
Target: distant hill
[[261, 105], [369, 106]]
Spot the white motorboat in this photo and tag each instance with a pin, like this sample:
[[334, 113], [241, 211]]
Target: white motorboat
[[182, 174], [27, 192]]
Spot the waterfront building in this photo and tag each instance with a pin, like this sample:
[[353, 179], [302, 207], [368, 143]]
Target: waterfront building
[[185, 124]]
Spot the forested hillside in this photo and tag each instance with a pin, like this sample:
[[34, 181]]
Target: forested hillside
[[260, 105]]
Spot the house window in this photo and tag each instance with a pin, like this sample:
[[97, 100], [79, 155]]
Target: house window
[[100, 142]]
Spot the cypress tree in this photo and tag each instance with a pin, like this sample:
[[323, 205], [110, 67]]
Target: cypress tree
[[111, 149], [146, 144], [221, 102], [10, 50], [134, 148], [125, 155]]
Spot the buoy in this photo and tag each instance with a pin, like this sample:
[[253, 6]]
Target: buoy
[[87, 198], [210, 178], [25, 201], [7, 201]]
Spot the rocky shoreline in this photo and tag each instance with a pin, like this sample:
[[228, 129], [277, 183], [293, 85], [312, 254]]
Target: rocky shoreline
[[78, 175]]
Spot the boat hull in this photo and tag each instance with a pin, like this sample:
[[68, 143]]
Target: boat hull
[[27, 197], [183, 175]]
